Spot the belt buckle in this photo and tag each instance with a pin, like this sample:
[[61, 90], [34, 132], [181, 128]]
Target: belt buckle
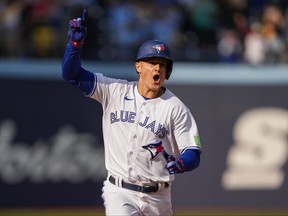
[[141, 188], [150, 188]]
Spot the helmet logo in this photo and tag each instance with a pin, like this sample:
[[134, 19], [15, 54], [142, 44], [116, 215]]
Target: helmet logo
[[159, 47]]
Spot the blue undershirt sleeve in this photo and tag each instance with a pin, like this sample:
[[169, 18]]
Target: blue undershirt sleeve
[[190, 158], [73, 73]]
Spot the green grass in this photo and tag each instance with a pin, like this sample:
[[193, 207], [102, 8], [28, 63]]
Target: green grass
[[100, 212]]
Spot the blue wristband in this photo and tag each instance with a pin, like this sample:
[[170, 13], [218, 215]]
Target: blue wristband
[[190, 158]]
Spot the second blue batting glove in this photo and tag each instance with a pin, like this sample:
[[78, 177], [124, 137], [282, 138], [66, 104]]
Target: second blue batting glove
[[78, 30], [175, 166]]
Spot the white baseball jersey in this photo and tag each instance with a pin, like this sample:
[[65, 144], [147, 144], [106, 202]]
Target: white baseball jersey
[[131, 122]]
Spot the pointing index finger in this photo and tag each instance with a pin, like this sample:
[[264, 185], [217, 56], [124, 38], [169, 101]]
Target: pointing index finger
[[84, 17]]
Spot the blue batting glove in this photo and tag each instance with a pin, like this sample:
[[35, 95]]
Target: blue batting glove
[[175, 166], [78, 30]]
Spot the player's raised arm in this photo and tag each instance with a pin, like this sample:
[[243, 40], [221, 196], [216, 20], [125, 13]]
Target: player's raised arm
[[72, 70]]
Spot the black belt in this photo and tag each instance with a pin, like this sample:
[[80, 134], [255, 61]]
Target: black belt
[[147, 188]]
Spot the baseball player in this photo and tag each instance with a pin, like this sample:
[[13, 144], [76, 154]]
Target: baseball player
[[149, 134]]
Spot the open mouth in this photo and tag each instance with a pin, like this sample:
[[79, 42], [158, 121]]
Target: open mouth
[[156, 77]]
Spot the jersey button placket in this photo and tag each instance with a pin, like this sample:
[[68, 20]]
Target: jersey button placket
[[130, 156], [135, 142]]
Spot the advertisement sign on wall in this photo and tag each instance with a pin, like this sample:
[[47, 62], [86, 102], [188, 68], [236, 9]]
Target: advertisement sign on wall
[[51, 146]]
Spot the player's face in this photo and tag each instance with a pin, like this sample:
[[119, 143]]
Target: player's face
[[152, 74]]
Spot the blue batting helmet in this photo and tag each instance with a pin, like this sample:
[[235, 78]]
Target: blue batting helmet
[[156, 48]]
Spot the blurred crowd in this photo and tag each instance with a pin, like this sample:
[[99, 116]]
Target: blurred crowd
[[252, 31]]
